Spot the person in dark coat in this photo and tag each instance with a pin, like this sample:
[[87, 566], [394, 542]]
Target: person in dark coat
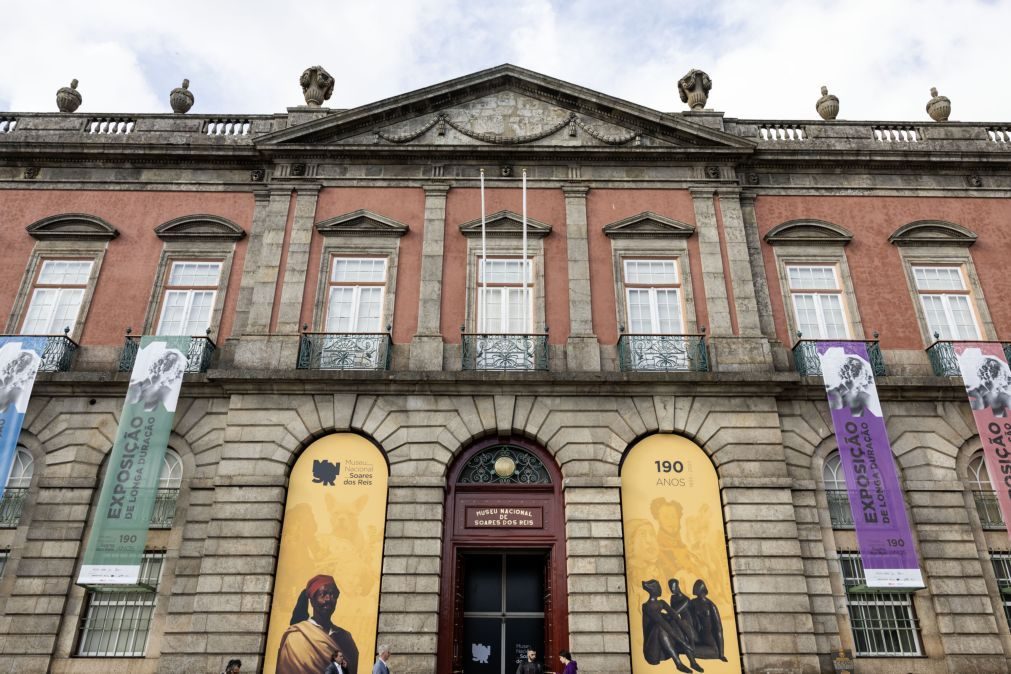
[[681, 615], [530, 665], [708, 624], [662, 637]]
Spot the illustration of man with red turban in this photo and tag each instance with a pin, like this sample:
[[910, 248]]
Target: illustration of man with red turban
[[306, 646]]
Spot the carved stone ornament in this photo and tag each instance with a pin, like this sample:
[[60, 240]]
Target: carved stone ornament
[[317, 86], [828, 105], [694, 89], [31, 172], [200, 227], [257, 175], [505, 225], [68, 99], [938, 107], [72, 227], [181, 98]]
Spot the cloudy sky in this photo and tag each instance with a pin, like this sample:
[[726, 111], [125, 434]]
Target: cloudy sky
[[767, 59]]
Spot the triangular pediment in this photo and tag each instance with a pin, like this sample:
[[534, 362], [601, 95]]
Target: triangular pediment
[[72, 227], [505, 225], [201, 228], [505, 106], [932, 233], [361, 223], [808, 232], [648, 225]]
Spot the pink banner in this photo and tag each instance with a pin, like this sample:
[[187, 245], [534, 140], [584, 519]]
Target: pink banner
[[987, 380]]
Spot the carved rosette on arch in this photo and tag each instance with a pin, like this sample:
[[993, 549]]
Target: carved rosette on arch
[[694, 89], [317, 86]]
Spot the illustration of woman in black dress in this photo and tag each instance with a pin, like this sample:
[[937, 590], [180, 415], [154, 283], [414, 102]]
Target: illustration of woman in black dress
[[708, 624], [663, 634]]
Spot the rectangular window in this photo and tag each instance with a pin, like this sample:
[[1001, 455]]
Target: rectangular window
[[1002, 570], [947, 302], [4, 554], [818, 301], [56, 297], [188, 299], [653, 293], [504, 305], [355, 290], [116, 624], [883, 623]]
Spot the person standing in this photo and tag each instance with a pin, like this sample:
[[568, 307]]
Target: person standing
[[382, 666], [337, 664], [234, 666], [530, 665], [568, 662]]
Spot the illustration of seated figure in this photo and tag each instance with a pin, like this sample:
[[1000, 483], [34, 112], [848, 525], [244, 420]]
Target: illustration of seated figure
[[708, 625], [663, 635]]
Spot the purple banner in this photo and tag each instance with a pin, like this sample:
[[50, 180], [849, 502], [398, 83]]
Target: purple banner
[[879, 513]]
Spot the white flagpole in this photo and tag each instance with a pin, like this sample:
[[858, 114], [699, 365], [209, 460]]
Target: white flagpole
[[483, 269], [524, 265]]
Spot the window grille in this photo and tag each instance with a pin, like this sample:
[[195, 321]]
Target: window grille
[[1001, 561], [117, 623], [883, 623]]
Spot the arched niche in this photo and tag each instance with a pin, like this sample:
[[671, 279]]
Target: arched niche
[[672, 525], [334, 525]]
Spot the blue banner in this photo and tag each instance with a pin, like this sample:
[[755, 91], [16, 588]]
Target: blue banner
[[20, 358]]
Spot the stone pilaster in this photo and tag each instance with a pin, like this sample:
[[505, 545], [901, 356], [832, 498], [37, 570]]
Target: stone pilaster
[[735, 242], [598, 607], [251, 264], [714, 284], [261, 271], [426, 347], [409, 599], [582, 350], [297, 261], [762, 297]]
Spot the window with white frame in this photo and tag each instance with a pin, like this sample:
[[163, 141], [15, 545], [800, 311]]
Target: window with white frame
[[1001, 561], [188, 297], [504, 296], [883, 623], [817, 297], [947, 302], [835, 492], [12, 503], [22, 470], [56, 296], [983, 495], [4, 555], [169, 482], [355, 290], [117, 624], [653, 296]]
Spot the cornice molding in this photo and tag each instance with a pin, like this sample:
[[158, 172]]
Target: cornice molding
[[932, 233], [72, 227], [201, 227], [361, 223], [808, 232], [505, 225], [648, 225]]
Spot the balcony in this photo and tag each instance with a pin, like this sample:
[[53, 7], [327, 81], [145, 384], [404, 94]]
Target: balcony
[[988, 509], [839, 508], [808, 364], [344, 351], [198, 359], [505, 352], [943, 359], [57, 353], [663, 353], [12, 504], [164, 512]]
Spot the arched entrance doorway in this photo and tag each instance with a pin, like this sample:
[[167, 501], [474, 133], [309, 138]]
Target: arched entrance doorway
[[503, 568]]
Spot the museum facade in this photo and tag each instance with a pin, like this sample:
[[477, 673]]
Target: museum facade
[[502, 364]]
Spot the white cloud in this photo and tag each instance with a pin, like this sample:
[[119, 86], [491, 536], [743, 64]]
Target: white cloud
[[767, 59]]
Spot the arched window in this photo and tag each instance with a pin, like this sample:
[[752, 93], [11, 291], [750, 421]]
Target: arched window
[[983, 494], [170, 480], [13, 502], [835, 492]]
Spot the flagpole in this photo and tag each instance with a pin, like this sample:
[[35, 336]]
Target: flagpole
[[483, 268], [524, 265]]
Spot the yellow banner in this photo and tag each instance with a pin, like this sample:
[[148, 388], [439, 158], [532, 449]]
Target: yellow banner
[[326, 591], [680, 603]]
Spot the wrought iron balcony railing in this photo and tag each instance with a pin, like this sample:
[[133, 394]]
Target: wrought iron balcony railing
[[807, 362], [58, 352], [198, 359], [12, 504], [164, 512], [344, 351], [663, 353], [943, 359], [505, 352], [988, 509], [839, 508]]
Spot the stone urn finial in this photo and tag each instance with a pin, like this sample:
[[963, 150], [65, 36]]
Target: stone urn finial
[[938, 107], [828, 105], [68, 99], [694, 89], [317, 86], [181, 99]]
